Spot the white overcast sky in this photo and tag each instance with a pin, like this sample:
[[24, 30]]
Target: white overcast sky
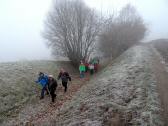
[[21, 24]]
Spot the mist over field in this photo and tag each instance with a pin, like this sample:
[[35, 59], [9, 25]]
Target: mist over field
[[23, 21], [21, 26]]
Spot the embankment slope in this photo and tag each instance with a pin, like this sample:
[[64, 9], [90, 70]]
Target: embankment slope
[[124, 93]]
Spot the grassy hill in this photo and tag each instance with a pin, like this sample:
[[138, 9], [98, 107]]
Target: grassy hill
[[123, 94], [17, 85]]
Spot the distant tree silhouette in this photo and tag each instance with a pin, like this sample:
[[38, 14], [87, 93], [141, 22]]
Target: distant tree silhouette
[[71, 29], [121, 32]]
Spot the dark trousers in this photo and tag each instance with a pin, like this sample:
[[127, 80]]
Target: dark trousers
[[53, 95], [43, 90], [91, 71], [82, 74], [86, 69], [64, 84]]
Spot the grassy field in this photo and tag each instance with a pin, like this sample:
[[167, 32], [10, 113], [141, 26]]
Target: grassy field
[[17, 85]]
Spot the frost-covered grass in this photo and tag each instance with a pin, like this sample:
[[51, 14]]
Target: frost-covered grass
[[124, 93], [17, 85]]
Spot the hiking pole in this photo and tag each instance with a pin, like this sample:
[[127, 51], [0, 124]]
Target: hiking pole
[[59, 83], [48, 91]]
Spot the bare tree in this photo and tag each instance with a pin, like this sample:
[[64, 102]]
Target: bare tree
[[71, 29], [121, 32]]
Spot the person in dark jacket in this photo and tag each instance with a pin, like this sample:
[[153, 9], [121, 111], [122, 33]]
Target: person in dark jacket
[[52, 87], [64, 77], [43, 80]]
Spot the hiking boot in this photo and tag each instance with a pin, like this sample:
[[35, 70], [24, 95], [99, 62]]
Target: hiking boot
[[41, 98]]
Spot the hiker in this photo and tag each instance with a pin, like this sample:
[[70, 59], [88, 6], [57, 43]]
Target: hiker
[[43, 80], [91, 68], [96, 63], [64, 77], [86, 66], [82, 70], [52, 84]]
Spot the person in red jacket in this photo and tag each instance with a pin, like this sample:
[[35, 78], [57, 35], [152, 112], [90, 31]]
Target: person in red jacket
[[86, 66]]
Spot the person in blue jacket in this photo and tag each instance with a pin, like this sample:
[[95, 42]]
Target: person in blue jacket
[[43, 80]]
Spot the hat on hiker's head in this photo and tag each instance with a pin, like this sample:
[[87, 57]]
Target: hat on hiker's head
[[61, 70], [50, 76], [41, 73]]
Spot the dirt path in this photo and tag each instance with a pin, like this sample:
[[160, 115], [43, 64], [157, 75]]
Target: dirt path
[[38, 111], [162, 81], [62, 97]]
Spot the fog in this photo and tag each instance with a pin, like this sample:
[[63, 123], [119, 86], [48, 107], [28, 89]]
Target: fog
[[153, 12], [21, 24]]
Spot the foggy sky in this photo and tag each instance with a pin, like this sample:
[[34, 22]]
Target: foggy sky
[[21, 24], [154, 13]]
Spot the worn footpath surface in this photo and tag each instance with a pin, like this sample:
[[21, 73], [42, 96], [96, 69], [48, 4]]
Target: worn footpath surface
[[36, 111], [161, 74]]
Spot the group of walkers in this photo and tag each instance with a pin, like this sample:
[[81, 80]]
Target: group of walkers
[[49, 83], [91, 66]]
